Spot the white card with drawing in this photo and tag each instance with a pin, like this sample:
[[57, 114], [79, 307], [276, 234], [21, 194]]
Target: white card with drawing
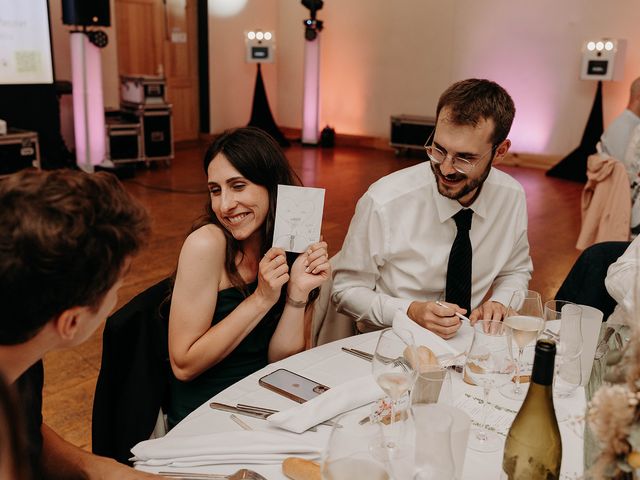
[[298, 217]]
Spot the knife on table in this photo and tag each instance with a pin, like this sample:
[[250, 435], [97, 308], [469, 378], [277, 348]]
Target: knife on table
[[249, 413], [257, 412]]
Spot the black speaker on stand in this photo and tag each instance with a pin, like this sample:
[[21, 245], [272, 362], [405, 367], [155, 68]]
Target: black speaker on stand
[[574, 166], [86, 13], [261, 116]]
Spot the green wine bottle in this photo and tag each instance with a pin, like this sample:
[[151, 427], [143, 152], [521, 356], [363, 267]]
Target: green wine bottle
[[533, 449]]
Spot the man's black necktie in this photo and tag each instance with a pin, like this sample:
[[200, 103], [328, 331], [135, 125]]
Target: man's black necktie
[[458, 288]]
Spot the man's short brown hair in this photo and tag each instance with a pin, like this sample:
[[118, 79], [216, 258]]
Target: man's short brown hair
[[474, 99], [64, 238]]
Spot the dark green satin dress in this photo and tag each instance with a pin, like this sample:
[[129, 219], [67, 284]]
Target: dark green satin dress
[[249, 356]]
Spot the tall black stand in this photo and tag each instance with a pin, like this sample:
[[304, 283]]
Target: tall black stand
[[261, 116], [574, 166]]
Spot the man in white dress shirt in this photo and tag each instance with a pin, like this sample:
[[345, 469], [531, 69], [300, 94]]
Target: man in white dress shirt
[[615, 139], [621, 140], [623, 284], [396, 252]]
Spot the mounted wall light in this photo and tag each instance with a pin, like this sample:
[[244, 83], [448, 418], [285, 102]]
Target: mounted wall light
[[603, 59], [260, 46]]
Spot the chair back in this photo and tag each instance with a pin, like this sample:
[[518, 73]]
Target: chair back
[[327, 324], [134, 376], [585, 282]]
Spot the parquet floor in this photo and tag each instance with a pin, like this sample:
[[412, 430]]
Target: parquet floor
[[175, 197]]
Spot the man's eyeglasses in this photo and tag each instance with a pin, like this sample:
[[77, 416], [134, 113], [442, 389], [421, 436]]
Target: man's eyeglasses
[[459, 164]]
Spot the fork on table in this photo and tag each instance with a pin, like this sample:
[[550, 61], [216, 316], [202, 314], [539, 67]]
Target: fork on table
[[242, 474]]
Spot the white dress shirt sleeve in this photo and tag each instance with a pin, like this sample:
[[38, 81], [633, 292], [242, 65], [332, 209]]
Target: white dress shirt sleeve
[[358, 268], [623, 278], [516, 272]]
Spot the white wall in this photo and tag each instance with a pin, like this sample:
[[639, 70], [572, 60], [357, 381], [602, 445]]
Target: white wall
[[533, 50], [376, 60], [231, 79], [380, 58]]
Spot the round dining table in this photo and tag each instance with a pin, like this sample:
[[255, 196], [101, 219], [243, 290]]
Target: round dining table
[[330, 365]]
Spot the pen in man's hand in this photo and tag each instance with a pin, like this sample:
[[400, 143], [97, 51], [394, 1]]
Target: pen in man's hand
[[459, 315]]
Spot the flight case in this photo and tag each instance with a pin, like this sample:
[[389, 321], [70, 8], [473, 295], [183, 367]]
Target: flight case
[[18, 149], [156, 129]]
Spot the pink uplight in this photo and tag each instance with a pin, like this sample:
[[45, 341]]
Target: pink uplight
[[311, 91], [88, 104]]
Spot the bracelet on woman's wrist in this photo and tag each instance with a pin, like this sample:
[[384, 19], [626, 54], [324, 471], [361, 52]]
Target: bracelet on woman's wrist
[[296, 303]]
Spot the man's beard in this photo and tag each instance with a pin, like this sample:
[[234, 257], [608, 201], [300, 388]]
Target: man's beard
[[468, 187]]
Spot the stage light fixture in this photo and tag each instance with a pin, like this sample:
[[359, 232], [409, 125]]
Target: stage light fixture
[[98, 38], [312, 25]]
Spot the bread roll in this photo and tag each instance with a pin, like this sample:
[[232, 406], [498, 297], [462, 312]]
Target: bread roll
[[426, 358], [300, 469]]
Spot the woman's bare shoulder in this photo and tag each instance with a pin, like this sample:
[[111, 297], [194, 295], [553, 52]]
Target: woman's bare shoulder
[[207, 241]]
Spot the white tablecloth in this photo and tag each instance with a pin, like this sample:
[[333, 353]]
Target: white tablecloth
[[329, 365]]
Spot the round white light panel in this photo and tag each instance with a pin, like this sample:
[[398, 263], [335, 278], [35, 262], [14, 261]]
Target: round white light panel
[[226, 8]]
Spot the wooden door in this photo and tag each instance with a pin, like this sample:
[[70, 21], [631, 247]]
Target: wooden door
[[160, 37]]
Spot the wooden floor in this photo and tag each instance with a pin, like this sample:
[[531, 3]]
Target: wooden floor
[[175, 197]]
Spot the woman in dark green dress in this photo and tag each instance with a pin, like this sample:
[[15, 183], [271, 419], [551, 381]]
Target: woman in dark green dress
[[238, 304]]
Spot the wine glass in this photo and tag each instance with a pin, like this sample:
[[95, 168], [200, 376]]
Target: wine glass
[[350, 451], [489, 365], [525, 320], [564, 325], [392, 368]]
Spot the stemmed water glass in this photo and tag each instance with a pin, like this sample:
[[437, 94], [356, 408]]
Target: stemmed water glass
[[489, 365], [525, 320], [564, 324], [392, 369]]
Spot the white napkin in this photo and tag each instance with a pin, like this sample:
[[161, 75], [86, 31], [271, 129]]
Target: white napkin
[[439, 346], [336, 400], [259, 447]]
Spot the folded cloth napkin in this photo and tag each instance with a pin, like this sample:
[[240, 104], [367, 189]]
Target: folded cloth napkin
[[259, 447], [336, 400], [439, 346]]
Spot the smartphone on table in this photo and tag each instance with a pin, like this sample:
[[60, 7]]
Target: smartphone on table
[[291, 385]]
